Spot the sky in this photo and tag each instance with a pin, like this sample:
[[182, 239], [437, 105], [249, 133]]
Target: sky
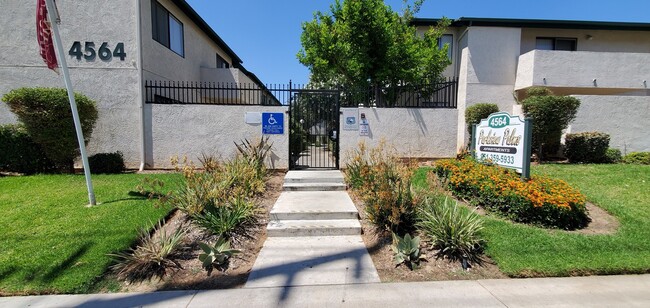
[[265, 34]]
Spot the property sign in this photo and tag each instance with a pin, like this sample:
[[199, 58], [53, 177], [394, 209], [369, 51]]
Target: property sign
[[350, 119], [504, 140], [273, 123]]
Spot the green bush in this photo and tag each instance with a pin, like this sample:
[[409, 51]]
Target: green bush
[[224, 219], [613, 156], [539, 91], [107, 163], [455, 231], [551, 115], [474, 114], [540, 201], [587, 147], [20, 153], [639, 158], [46, 115]]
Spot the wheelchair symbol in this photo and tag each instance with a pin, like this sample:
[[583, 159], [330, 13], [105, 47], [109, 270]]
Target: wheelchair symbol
[[272, 120]]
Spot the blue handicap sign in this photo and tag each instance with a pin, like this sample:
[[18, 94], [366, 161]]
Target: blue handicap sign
[[273, 123]]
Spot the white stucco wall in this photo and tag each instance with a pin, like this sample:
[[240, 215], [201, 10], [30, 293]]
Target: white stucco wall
[[624, 118], [161, 63], [578, 69], [112, 84], [414, 132], [488, 68], [192, 130]]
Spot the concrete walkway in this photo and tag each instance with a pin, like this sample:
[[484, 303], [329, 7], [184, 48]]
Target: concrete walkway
[[314, 236], [595, 291]]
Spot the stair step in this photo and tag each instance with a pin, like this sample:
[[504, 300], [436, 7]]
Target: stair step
[[334, 227], [314, 205], [327, 176], [314, 187]]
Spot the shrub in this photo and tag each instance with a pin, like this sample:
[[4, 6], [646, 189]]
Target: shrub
[[588, 147], [152, 256], [407, 250], [613, 156], [454, 230], [255, 152], [639, 158], [20, 153], [224, 219], [383, 182], [46, 115], [474, 114], [106, 163], [541, 200], [551, 115], [539, 91]]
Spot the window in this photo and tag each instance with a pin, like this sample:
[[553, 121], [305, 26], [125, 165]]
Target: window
[[446, 39], [556, 43], [221, 62], [167, 29]]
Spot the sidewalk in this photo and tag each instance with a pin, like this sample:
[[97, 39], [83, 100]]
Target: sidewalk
[[594, 291]]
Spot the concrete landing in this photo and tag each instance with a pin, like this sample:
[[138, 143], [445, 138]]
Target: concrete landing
[[303, 261], [314, 205], [308, 176]]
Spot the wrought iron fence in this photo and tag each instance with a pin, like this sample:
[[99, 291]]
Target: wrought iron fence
[[436, 95]]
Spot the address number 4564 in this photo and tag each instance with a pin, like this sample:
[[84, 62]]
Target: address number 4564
[[104, 52]]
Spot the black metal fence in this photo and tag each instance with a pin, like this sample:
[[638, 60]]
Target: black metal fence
[[436, 95]]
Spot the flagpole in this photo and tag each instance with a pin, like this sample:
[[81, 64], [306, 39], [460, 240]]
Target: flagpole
[[51, 15]]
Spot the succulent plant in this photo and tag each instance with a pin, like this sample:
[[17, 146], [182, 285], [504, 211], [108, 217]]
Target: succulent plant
[[407, 250], [217, 255]]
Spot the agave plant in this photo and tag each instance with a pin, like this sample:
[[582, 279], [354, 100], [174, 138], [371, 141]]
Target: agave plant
[[407, 250], [217, 255]]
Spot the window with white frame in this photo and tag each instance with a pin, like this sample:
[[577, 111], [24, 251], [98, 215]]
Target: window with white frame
[[167, 29]]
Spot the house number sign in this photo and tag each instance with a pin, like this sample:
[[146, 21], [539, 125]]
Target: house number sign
[[90, 51]]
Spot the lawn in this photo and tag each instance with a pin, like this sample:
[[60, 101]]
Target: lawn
[[622, 190], [52, 243]]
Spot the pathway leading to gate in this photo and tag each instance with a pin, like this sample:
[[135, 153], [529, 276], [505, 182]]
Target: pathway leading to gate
[[314, 236]]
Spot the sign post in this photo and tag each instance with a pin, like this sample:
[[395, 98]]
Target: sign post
[[504, 140]]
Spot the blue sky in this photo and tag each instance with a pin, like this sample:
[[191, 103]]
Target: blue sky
[[266, 33]]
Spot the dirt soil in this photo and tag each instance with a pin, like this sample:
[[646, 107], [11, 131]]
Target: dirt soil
[[191, 275], [379, 247]]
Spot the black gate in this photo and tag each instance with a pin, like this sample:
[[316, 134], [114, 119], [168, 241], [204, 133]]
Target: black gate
[[314, 129]]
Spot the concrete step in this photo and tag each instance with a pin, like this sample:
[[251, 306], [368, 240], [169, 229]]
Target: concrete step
[[314, 260], [325, 176], [314, 205], [314, 187], [294, 228]]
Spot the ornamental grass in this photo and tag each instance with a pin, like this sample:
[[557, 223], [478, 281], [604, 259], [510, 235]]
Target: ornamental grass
[[539, 201]]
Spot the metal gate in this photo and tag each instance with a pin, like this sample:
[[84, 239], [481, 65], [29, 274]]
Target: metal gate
[[314, 129]]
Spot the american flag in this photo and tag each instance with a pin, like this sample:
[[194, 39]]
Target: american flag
[[44, 36]]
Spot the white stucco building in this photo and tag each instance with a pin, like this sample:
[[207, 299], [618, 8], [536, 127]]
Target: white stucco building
[[604, 64], [113, 47]]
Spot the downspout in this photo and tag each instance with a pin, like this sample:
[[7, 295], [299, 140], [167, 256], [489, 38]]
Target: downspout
[[140, 86]]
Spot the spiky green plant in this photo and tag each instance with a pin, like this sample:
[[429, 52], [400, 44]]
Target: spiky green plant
[[452, 229], [152, 257], [216, 256], [225, 219], [407, 250]]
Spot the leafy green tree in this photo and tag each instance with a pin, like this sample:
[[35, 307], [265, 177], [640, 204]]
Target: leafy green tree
[[364, 43]]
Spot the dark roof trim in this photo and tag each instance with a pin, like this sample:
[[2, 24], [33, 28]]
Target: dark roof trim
[[536, 23], [194, 16]]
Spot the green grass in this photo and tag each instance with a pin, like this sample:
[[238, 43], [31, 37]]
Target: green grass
[[52, 243], [622, 190]]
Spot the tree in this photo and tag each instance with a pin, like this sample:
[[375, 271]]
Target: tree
[[364, 43]]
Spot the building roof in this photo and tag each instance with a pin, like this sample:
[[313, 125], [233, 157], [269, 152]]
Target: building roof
[[536, 23], [194, 16]]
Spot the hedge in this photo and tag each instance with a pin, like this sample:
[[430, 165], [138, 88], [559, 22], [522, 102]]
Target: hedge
[[587, 147]]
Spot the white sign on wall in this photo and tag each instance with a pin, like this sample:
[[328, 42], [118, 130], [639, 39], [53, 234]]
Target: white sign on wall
[[503, 140], [350, 119]]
